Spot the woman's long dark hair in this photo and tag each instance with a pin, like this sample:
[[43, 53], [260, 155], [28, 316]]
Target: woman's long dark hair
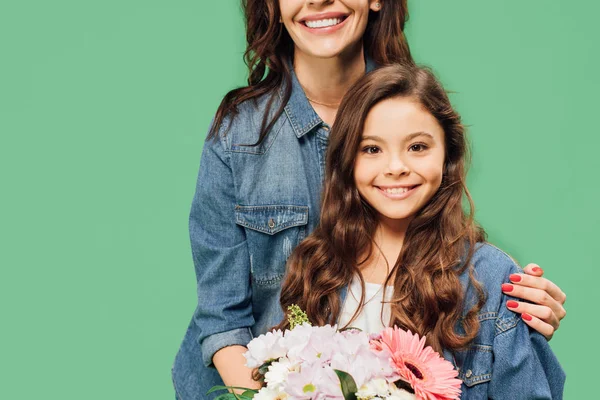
[[269, 47], [440, 240]]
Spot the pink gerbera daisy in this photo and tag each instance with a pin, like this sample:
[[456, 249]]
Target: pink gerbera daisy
[[431, 376]]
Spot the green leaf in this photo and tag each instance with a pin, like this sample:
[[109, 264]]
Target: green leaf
[[215, 388], [226, 396], [263, 369], [249, 393], [350, 328], [348, 384], [400, 384]]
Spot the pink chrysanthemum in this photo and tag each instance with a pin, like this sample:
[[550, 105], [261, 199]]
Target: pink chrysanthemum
[[431, 376]]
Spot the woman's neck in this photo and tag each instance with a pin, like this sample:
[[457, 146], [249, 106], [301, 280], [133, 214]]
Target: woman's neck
[[326, 80]]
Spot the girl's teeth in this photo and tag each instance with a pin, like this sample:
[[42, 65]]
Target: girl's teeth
[[397, 190], [323, 23]]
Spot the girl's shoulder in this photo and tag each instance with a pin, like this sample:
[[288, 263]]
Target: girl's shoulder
[[492, 265]]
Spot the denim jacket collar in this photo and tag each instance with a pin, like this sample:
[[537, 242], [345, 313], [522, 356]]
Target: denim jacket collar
[[299, 111]]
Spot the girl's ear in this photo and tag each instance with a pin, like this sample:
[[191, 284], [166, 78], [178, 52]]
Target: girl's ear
[[376, 5]]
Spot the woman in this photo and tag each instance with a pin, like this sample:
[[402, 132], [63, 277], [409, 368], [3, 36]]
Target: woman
[[261, 171]]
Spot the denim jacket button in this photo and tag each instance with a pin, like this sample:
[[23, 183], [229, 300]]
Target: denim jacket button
[[271, 223], [469, 373]]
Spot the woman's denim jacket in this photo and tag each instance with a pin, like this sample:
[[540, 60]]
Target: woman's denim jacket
[[252, 206]]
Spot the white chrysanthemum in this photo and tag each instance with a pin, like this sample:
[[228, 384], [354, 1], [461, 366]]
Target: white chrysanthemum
[[381, 387], [310, 343], [365, 392], [278, 373], [269, 394], [399, 394], [376, 388], [264, 348]]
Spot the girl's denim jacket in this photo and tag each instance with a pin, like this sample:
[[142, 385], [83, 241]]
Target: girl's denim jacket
[[254, 204]]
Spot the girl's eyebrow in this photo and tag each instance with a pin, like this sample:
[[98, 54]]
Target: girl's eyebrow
[[416, 134], [372, 137], [406, 139]]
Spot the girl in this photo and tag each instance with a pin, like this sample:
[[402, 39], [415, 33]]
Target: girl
[[394, 231], [259, 186]]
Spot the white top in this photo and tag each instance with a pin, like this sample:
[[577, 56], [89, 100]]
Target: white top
[[370, 319]]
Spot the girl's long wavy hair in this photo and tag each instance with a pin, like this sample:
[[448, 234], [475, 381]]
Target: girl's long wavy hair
[[428, 297], [269, 47]]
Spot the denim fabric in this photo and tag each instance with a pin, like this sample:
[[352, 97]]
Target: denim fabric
[[252, 206], [507, 359]]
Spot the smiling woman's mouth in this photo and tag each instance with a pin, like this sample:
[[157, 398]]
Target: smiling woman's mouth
[[324, 23]]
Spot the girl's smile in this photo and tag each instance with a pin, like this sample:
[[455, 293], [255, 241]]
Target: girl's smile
[[397, 192]]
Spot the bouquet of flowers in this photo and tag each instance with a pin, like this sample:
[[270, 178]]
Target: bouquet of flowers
[[309, 362]]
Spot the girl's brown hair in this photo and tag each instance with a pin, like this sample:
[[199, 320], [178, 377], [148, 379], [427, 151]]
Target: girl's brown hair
[[440, 240], [269, 50]]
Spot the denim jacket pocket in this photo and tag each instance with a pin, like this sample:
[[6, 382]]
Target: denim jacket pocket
[[476, 366], [272, 232]]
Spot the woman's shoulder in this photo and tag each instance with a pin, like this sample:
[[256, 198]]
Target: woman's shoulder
[[244, 125]]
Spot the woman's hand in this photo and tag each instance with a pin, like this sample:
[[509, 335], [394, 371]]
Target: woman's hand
[[231, 364], [545, 315]]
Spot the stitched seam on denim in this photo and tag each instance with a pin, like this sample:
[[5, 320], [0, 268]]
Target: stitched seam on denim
[[297, 129], [223, 138], [503, 326], [236, 148], [507, 255], [480, 348], [271, 231], [484, 316], [300, 218], [268, 281], [477, 379], [271, 207], [292, 120]]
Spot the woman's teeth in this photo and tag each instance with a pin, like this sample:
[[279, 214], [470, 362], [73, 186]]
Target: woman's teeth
[[323, 23], [397, 190]]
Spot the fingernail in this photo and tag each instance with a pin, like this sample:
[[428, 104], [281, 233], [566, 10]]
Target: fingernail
[[537, 269], [526, 317], [514, 277], [506, 287], [512, 304]]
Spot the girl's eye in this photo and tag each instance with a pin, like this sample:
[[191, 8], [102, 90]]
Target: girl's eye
[[370, 149], [418, 147]]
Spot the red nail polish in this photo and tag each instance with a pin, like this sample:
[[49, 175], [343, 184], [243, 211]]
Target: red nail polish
[[514, 277], [506, 287], [537, 269], [526, 317], [512, 304]]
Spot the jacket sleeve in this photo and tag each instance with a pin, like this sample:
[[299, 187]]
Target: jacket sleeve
[[221, 257], [524, 365]]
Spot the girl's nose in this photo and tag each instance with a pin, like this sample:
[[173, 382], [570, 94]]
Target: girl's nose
[[396, 167]]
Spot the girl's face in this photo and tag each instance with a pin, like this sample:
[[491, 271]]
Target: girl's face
[[400, 159], [326, 28]]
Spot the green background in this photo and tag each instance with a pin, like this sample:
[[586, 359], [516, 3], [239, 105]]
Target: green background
[[103, 109]]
